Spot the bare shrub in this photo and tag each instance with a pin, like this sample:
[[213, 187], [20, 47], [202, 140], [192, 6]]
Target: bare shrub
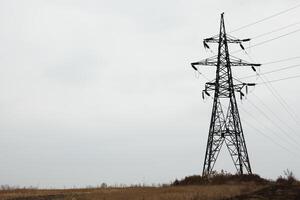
[[220, 178], [287, 179]]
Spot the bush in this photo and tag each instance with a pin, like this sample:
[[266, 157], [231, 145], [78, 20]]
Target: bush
[[287, 179], [220, 178], [103, 185]]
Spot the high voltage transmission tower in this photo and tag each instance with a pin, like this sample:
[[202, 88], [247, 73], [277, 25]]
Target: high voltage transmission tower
[[225, 124]]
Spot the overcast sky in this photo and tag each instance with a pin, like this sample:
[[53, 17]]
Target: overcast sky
[[102, 91]]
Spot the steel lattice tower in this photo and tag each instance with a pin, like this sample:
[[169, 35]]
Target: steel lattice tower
[[225, 124]]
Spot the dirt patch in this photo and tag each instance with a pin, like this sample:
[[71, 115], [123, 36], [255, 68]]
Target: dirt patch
[[274, 192]]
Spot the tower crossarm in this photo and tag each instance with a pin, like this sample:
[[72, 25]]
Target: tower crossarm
[[239, 87], [230, 39], [213, 61], [211, 86], [234, 61]]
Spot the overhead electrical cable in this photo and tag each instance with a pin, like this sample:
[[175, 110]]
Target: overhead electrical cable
[[270, 138], [276, 116], [264, 126], [275, 30], [291, 112], [272, 71], [276, 125], [277, 96], [277, 80], [280, 36], [266, 18], [282, 60], [266, 41]]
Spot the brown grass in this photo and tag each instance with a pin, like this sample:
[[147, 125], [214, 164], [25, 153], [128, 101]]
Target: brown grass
[[203, 192], [217, 187]]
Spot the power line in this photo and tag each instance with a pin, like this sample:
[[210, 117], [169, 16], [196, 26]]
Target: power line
[[279, 99], [275, 30], [271, 139], [293, 115], [266, 18], [282, 60], [272, 71], [259, 130], [269, 40], [266, 41], [275, 124], [281, 69], [275, 115], [277, 80]]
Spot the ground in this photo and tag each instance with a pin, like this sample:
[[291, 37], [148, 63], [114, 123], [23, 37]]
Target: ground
[[219, 186], [275, 192], [245, 191], [134, 193]]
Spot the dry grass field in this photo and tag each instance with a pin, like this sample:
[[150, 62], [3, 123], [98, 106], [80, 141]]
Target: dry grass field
[[213, 192], [219, 187]]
